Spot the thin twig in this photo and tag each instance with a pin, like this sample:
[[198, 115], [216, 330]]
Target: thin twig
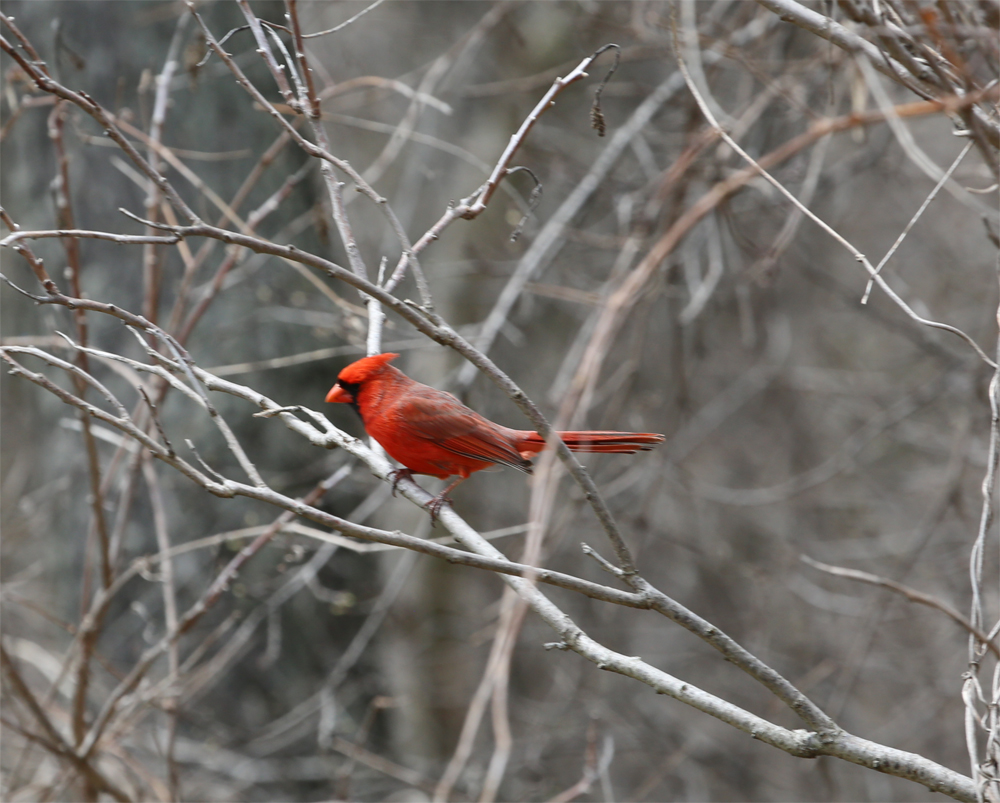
[[914, 219], [482, 197], [346, 22], [55, 740], [160, 526], [832, 742], [38, 73], [910, 593], [858, 256]]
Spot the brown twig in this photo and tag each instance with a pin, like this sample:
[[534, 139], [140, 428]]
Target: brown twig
[[482, 197], [311, 149], [254, 219], [53, 740], [590, 770], [910, 593], [380, 764], [98, 527], [654, 598], [160, 526], [38, 73], [839, 743], [833, 31], [760, 168], [832, 742], [440, 332]]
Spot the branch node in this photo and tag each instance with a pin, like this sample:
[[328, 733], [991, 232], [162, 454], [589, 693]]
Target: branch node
[[271, 413], [204, 465], [609, 567]]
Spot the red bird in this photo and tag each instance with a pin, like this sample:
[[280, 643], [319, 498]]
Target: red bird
[[431, 432]]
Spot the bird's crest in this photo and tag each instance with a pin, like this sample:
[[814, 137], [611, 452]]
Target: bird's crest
[[365, 368]]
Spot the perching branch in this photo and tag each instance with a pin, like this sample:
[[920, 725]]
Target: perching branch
[[828, 741]]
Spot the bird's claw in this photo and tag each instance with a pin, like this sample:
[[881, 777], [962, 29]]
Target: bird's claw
[[399, 474], [435, 505]]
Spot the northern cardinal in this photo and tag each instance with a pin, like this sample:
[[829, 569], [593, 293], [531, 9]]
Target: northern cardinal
[[431, 432]]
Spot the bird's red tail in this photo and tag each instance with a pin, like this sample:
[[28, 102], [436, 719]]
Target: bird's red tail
[[595, 441]]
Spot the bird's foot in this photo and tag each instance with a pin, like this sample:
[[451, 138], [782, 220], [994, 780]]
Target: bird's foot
[[435, 505], [399, 474]]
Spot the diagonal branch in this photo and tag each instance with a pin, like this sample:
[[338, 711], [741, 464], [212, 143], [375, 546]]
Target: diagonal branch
[[829, 741], [55, 741], [910, 593], [759, 168]]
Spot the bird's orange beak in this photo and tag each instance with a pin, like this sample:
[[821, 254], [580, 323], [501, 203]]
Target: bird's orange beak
[[338, 394]]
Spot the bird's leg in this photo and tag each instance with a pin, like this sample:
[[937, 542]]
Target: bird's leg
[[439, 501], [399, 474]]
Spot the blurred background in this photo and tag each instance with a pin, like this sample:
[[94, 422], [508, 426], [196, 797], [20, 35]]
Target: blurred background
[[798, 421]]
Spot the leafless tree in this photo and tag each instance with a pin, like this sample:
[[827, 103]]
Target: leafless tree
[[645, 215]]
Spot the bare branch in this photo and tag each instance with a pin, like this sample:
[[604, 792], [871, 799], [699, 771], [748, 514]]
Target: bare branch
[[910, 593], [55, 740], [858, 256], [346, 22]]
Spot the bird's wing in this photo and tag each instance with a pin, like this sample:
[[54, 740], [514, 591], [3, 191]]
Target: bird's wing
[[438, 417]]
